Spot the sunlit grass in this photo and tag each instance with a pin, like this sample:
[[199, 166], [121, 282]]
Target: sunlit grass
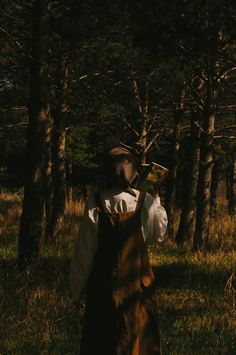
[[196, 292], [196, 295]]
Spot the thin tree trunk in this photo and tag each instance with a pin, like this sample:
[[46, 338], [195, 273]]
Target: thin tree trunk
[[143, 111], [214, 189], [190, 185], [204, 183], [171, 180], [227, 181], [32, 219], [143, 142], [48, 176], [59, 145], [179, 183], [232, 185], [69, 190]]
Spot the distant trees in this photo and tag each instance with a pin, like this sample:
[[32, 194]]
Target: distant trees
[[157, 77], [206, 49]]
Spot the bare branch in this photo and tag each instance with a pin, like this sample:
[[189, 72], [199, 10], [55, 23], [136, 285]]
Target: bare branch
[[128, 147], [195, 95], [19, 3], [82, 77], [185, 127], [130, 126], [224, 137], [228, 107], [151, 124], [14, 125], [198, 125], [152, 141], [225, 74], [137, 96], [22, 108], [8, 35], [225, 128]]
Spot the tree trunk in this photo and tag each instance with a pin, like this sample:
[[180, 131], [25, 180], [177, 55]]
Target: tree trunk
[[171, 180], [232, 185], [69, 189], [143, 143], [143, 110], [48, 177], [32, 219], [214, 189], [179, 187], [204, 183], [190, 185], [141, 94], [59, 145], [227, 181]]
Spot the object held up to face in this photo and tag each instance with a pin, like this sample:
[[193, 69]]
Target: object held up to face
[[121, 170]]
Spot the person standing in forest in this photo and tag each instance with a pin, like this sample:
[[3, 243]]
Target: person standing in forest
[[110, 264]]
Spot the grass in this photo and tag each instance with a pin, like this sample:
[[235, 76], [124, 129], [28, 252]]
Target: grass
[[196, 293]]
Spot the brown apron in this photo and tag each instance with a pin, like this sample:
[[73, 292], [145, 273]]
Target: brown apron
[[121, 313]]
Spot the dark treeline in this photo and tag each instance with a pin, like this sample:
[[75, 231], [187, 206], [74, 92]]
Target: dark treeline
[[78, 77]]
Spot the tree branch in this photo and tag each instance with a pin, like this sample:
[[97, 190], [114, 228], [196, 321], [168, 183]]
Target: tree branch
[[130, 126], [225, 128], [151, 142], [225, 74], [137, 96], [224, 137], [8, 35], [129, 147]]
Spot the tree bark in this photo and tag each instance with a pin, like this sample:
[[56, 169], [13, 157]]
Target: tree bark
[[59, 151], [185, 228], [32, 219], [143, 142], [69, 189], [232, 185], [214, 189], [171, 180], [227, 182], [143, 112], [48, 176], [204, 183]]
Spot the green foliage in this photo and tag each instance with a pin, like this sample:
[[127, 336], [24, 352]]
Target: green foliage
[[162, 45], [79, 147]]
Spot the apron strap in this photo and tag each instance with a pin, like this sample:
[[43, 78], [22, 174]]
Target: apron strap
[[99, 202], [140, 202]]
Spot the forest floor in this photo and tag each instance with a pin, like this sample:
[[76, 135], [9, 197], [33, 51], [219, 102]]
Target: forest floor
[[196, 292]]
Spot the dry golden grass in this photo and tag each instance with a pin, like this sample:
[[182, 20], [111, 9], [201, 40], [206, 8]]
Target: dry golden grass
[[196, 292], [10, 211]]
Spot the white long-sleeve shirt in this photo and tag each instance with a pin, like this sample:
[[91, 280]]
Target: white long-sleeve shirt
[[153, 224]]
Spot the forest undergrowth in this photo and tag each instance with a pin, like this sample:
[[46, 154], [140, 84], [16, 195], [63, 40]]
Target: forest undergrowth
[[196, 292]]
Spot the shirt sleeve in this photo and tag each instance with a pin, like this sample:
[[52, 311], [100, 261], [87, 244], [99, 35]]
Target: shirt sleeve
[[84, 251], [154, 219]]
